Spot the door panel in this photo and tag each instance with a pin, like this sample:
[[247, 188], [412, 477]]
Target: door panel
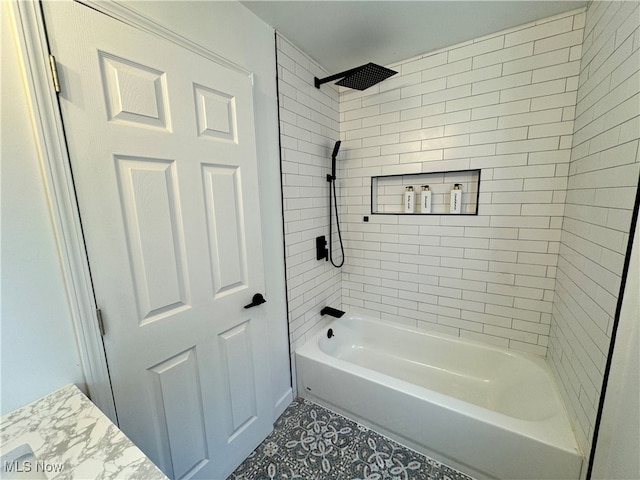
[[225, 221], [134, 93], [216, 114], [237, 358], [162, 148], [148, 196], [178, 399]]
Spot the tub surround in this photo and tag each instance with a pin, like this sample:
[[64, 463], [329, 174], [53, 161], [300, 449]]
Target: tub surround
[[444, 397], [503, 104], [603, 177], [74, 439], [309, 128]]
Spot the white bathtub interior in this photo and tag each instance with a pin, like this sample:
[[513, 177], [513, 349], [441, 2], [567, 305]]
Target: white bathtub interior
[[490, 412], [485, 377]]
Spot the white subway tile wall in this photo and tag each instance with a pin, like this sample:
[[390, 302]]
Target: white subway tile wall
[[603, 176], [504, 104], [309, 127]]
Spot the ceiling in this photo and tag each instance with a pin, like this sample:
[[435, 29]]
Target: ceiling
[[340, 35]]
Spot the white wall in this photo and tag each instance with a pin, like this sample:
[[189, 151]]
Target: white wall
[[309, 128], [504, 104], [603, 177], [38, 347]]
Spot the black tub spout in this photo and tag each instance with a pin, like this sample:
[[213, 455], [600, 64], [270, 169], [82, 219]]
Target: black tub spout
[[331, 311]]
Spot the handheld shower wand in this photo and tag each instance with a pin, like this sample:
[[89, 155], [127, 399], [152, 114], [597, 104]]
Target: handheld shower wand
[[331, 178], [336, 147]]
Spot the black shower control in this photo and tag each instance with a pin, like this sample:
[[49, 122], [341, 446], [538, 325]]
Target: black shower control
[[321, 248]]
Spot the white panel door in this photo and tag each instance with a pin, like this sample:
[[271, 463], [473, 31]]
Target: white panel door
[[163, 154]]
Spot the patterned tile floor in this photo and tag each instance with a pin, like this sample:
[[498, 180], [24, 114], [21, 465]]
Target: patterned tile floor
[[312, 443]]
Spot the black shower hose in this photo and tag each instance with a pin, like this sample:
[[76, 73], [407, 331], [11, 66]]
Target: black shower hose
[[335, 201]]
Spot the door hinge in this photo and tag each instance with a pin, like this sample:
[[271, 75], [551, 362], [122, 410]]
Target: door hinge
[[100, 321], [54, 73]]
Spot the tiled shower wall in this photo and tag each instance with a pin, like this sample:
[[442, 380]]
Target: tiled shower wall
[[603, 176], [505, 104], [308, 130]]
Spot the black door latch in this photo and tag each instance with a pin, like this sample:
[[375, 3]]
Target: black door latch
[[257, 299]]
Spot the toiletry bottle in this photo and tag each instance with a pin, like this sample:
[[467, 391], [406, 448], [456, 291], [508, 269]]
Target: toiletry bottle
[[456, 199], [409, 200], [425, 200]]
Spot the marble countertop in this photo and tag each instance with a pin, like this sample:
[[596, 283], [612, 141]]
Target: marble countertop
[[73, 439]]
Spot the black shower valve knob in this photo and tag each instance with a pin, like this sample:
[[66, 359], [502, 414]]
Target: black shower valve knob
[[322, 253]]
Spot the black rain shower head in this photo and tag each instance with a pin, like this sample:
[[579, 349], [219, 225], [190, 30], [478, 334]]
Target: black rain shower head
[[359, 78]]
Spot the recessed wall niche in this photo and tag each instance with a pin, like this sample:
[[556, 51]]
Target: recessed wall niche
[[388, 192]]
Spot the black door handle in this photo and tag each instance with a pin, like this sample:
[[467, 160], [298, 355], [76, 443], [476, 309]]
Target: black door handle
[[257, 299]]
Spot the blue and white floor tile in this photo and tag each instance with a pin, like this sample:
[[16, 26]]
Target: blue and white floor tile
[[312, 443]]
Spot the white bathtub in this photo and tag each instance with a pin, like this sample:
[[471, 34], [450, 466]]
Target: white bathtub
[[487, 411]]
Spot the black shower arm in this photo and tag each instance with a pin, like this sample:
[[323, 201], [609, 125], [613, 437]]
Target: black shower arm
[[319, 81]]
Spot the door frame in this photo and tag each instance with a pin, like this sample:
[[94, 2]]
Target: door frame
[[58, 180]]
